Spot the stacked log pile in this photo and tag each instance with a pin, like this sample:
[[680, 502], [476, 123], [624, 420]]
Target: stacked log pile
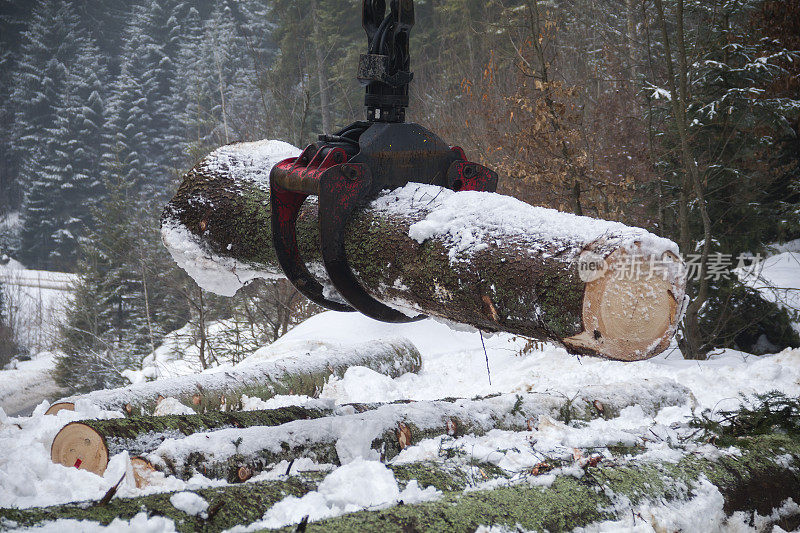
[[752, 482], [236, 445]]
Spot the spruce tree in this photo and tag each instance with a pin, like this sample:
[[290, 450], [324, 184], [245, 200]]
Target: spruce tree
[[727, 123], [141, 114], [11, 25], [106, 328], [57, 132]]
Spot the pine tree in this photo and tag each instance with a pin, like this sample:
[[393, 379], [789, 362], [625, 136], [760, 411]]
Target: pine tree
[[57, 131], [106, 329], [142, 117]]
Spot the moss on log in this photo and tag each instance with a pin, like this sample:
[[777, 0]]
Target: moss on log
[[759, 480], [218, 225], [304, 374], [385, 431], [240, 504]]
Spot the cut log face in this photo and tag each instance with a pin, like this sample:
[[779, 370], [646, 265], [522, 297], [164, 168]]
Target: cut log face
[[60, 406], [630, 310], [80, 446], [142, 471], [481, 259]]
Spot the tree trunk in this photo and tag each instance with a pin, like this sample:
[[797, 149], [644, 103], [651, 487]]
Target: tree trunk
[[90, 443], [322, 75], [480, 259], [693, 343], [385, 431], [235, 505], [759, 479], [304, 374]]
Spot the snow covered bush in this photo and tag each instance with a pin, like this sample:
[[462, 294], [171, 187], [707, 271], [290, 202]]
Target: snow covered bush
[[737, 316], [8, 346]]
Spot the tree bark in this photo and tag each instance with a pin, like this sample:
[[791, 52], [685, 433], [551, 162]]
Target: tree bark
[[242, 504], [509, 267], [236, 504], [693, 343], [90, 443], [385, 431], [758, 480], [304, 374]]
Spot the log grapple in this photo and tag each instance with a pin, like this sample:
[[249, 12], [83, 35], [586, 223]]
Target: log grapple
[[352, 166]]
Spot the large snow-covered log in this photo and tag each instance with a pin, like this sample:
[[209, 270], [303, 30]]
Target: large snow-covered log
[[384, 431], [88, 444], [699, 492], [756, 484], [228, 506], [304, 374], [481, 259], [231, 505]]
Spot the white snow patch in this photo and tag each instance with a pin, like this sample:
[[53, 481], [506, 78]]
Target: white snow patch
[[702, 512], [189, 502], [141, 523], [213, 272], [28, 382], [468, 221], [777, 278], [248, 161], [171, 406]]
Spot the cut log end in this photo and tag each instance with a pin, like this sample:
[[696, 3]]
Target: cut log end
[[60, 406], [78, 445], [143, 471], [630, 310]]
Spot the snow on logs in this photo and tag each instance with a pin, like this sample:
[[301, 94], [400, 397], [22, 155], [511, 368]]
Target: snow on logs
[[481, 259], [753, 481], [237, 454], [88, 444], [304, 374]]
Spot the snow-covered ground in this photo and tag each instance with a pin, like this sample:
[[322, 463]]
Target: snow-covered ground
[[36, 301], [778, 279], [25, 386], [454, 365]]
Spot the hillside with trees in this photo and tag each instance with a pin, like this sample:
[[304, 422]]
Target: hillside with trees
[[678, 117]]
